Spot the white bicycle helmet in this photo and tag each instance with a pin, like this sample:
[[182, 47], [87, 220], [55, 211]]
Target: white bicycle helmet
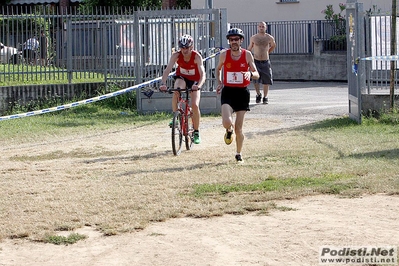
[[186, 41]]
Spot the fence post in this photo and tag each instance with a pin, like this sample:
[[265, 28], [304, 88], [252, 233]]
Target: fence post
[[355, 51], [69, 43], [310, 39]]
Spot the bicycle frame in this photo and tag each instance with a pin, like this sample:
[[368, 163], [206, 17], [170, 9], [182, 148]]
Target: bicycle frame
[[184, 108], [182, 122]]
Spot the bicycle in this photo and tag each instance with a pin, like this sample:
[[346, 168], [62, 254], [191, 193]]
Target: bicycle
[[182, 123]]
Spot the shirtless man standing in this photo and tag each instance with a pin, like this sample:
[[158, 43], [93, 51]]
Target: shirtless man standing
[[262, 45]]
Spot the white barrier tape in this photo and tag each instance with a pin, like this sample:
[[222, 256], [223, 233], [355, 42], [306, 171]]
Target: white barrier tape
[[382, 57], [91, 100], [82, 102]]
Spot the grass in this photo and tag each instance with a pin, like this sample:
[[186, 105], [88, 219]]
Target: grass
[[32, 75], [333, 184], [78, 119], [114, 171], [64, 240]]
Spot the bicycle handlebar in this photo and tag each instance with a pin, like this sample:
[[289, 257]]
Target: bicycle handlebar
[[171, 90]]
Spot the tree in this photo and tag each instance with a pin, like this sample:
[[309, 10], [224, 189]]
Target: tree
[[183, 4], [151, 4], [4, 2]]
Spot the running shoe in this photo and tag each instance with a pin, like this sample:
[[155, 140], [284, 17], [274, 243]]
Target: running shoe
[[258, 97], [239, 158], [197, 139], [228, 137], [265, 100]]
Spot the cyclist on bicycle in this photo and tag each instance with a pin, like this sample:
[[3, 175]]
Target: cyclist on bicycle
[[190, 73]]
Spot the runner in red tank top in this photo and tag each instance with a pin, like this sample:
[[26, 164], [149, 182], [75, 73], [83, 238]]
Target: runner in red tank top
[[238, 68], [190, 73]]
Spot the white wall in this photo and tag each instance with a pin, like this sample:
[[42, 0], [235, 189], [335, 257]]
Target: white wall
[[272, 10]]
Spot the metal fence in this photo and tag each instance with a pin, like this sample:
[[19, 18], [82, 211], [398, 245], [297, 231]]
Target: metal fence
[[378, 44], [297, 37], [72, 51], [99, 45]]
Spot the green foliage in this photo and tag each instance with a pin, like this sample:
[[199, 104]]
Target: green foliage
[[390, 117], [338, 38], [126, 101], [146, 4], [331, 15], [5, 2], [120, 3], [183, 4], [327, 184], [335, 123], [28, 75], [41, 103], [31, 23], [373, 11], [337, 19], [62, 240], [123, 102]]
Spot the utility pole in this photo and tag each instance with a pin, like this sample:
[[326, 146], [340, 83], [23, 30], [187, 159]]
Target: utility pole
[[393, 52]]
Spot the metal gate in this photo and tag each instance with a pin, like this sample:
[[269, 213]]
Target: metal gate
[[146, 40], [369, 61]]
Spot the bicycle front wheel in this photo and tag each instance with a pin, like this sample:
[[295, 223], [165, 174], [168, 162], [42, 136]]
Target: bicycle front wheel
[[177, 133]]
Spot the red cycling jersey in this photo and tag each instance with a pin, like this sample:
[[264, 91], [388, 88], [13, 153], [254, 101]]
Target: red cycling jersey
[[188, 70], [232, 76]]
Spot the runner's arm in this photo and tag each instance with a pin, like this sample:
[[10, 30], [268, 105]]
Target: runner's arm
[[201, 69], [272, 44], [169, 67], [251, 44], [253, 71], [218, 71]]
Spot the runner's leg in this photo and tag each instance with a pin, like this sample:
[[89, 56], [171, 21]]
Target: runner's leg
[[227, 116], [238, 130], [195, 101], [179, 83]]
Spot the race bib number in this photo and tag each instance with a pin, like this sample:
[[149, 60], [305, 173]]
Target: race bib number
[[235, 78], [188, 72]]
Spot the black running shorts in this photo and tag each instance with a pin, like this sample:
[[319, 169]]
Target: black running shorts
[[237, 98]]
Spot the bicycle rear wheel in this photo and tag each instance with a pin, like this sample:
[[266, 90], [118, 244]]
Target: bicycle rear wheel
[[189, 136], [177, 133]]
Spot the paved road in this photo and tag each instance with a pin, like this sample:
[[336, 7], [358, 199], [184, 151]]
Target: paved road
[[298, 103]]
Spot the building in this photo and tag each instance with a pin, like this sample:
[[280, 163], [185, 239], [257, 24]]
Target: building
[[283, 10]]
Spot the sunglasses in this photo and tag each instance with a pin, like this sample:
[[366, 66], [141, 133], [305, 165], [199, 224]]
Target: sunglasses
[[234, 39]]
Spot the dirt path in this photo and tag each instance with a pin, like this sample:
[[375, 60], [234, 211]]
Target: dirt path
[[282, 238]]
